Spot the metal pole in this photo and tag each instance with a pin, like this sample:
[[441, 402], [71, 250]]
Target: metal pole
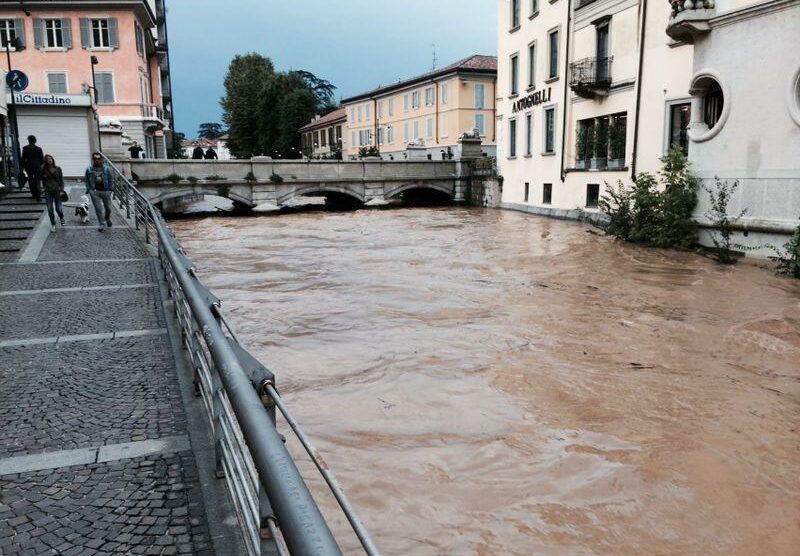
[[13, 121], [93, 61]]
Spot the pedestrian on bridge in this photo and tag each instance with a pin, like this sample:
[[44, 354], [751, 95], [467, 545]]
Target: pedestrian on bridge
[[100, 186], [53, 184]]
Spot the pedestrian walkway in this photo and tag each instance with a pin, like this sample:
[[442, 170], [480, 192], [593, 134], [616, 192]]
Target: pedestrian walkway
[[101, 448]]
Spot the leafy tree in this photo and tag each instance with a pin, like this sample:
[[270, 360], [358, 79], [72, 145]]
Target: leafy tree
[[245, 83], [210, 130], [720, 196]]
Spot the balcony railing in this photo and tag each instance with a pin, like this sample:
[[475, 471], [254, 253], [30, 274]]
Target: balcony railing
[[590, 77], [153, 112]]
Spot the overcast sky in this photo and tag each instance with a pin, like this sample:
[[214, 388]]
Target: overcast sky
[[355, 44]]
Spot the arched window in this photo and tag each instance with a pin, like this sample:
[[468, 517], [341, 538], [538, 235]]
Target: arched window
[[710, 106], [793, 97]]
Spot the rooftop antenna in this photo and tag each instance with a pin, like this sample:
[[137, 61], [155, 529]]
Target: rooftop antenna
[[433, 66]]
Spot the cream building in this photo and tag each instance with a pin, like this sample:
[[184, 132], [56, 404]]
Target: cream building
[[745, 93], [590, 93], [322, 137], [424, 116]]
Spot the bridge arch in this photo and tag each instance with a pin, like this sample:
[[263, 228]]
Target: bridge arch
[[193, 191], [321, 188], [403, 187]]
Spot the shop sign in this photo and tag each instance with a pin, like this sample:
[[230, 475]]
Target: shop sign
[[49, 99], [536, 97]]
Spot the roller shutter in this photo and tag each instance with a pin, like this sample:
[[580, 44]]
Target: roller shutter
[[61, 133]]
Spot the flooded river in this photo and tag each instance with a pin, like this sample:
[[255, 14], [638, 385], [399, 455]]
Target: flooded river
[[492, 383]]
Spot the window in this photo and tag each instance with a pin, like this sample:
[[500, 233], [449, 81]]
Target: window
[[360, 114], [679, 118], [553, 64], [100, 34], [592, 195], [406, 102], [601, 46], [391, 107], [368, 112], [515, 5], [390, 135], [531, 64], [480, 94], [534, 7], [105, 87], [139, 39], [381, 136], [547, 194], [353, 139], [445, 93], [429, 96], [381, 109], [8, 30], [339, 134], [323, 142], [416, 130], [512, 138], [527, 192], [316, 139], [712, 105], [352, 114], [57, 83], [549, 130], [443, 122], [515, 74], [480, 124], [53, 33], [415, 100], [528, 130], [365, 137], [709, 107], [406, 137], [430, 128]]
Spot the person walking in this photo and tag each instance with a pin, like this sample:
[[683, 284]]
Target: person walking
[[53, 184], [32, 160], [211, 154], [100, 186], [197, 153]]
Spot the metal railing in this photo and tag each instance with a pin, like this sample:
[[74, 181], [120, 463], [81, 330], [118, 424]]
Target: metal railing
[[590, 74], [271, 498]]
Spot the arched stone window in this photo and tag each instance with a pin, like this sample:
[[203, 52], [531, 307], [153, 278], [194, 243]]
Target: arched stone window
[[793, 97], [710, 106]]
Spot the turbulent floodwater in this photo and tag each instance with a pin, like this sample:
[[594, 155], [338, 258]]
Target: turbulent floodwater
[[486, 382]]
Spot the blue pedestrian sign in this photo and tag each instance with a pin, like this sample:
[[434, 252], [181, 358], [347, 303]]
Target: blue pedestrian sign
[[16, 80]]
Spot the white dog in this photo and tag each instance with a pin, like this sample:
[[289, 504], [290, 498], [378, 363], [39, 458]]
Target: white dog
[[81, 208]]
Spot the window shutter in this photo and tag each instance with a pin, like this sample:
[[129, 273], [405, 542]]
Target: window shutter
[[19, 30], [85, 32], [113, 33], [66, 30], [38, 32], [138, 38]]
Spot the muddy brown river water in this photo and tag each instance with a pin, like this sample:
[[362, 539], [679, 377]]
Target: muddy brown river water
[[487, 382]]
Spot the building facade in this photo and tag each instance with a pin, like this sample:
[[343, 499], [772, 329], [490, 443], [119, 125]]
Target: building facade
[[424, 116], [745, 124], [590, 92], [92, 65], [322, 138]]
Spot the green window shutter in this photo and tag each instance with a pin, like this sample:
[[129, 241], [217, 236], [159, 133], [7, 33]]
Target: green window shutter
[[86, 31], [113, 32], [66, 30], [38, 32], [19, 30]]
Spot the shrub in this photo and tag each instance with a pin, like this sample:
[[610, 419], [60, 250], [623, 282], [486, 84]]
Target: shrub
[[192, 180], [655, 211], [582, 142], [174, 178], [616, 140], [788, 258], [250, 177], [368, 151], [600, 141], [215, 177], [275, 178], [721, 235]]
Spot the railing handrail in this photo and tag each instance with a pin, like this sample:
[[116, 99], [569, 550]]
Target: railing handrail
[[301, 523]]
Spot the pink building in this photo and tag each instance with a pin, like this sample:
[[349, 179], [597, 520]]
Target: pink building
[[126, 40]]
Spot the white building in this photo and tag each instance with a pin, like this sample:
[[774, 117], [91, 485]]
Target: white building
[[584, 100]]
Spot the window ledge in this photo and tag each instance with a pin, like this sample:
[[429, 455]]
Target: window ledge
[[534, 14], [100, 49], [551, 79], [623, 169], [54, 48], [552, 153], [528, 156], [511, 158], [515, 29], [530, 88], [513, 95]]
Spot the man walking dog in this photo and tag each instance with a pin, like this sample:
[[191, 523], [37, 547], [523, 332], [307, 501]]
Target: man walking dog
[[100, 186]]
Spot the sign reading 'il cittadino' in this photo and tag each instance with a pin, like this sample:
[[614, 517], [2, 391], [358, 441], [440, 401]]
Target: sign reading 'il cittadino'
[[536, 97]]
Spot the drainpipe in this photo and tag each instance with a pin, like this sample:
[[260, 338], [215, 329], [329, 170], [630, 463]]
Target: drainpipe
[[638, 91], [566, 90]]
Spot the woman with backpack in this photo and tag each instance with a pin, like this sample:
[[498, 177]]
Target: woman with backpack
[[53, 184]]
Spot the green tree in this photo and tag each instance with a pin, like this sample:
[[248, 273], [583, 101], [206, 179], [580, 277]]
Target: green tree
[[245, 83], [210, 130]]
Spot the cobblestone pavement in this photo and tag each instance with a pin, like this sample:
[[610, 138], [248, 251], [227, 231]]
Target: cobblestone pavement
[[85, 394]]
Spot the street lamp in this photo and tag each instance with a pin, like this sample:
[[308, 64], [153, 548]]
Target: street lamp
[[94, 62], [18, 47]]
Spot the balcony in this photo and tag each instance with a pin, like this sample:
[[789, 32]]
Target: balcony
[[590, 77], [690, 19]]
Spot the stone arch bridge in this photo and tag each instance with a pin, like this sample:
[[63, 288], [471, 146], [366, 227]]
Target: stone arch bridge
[[272, 184]]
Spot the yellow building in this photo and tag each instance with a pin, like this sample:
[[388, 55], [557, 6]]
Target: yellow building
[[322, 138], [424, 116]]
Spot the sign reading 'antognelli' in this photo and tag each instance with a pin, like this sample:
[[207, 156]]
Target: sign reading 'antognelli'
[[536, 97]]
